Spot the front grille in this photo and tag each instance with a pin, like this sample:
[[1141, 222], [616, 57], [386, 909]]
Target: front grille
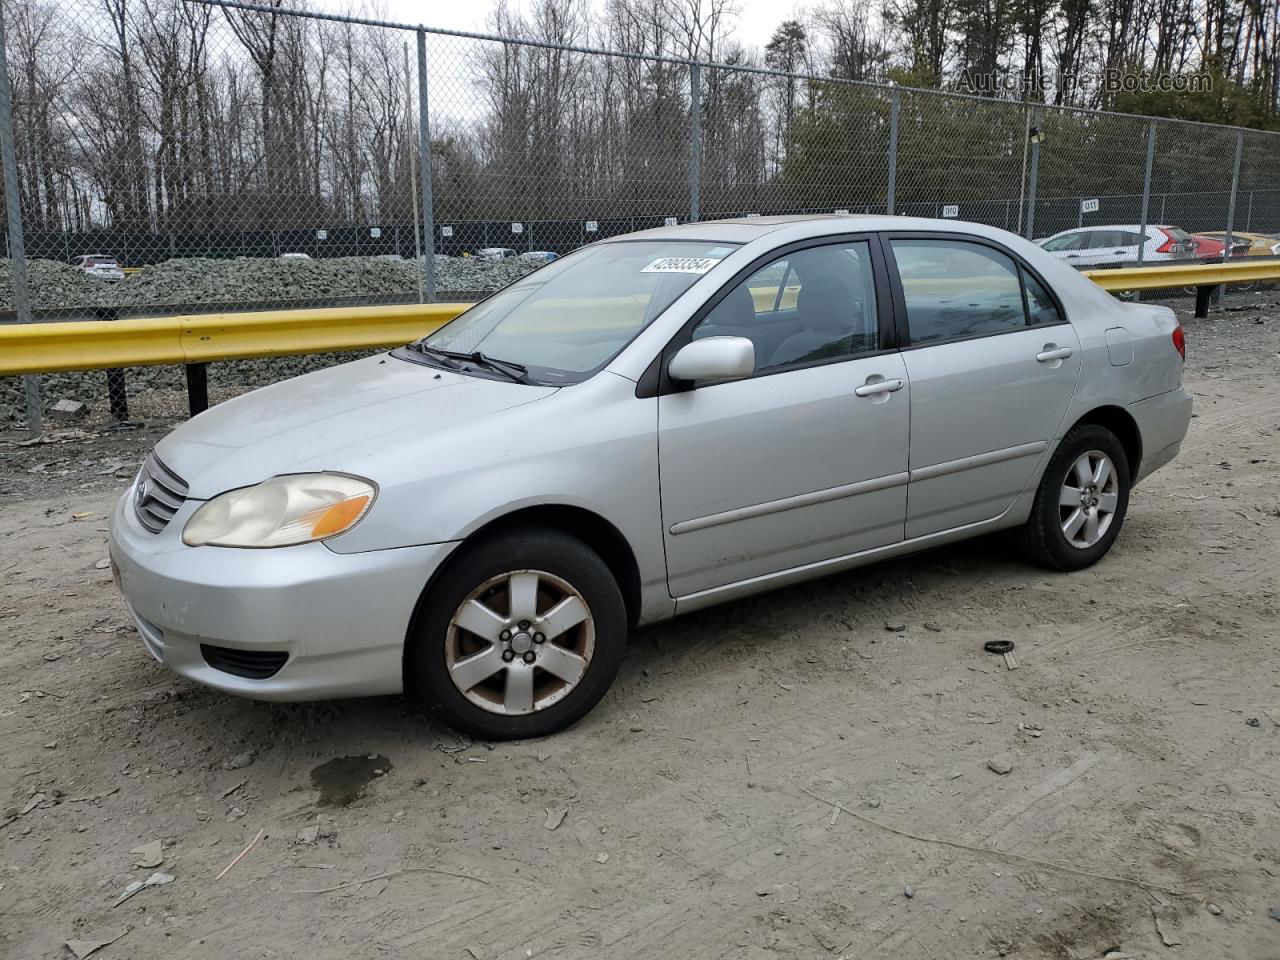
[[158, 495], [250, 664]]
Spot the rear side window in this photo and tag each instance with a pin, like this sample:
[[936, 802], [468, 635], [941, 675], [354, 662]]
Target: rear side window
[[954, 290], [1040, 306], [1068, 241]]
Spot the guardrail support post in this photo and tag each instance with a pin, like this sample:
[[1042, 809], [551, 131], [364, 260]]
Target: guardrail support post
[[197, 387], [118, 395], [428, 265], [1203, 296], [695, 142], [895, 103], [17, 248]]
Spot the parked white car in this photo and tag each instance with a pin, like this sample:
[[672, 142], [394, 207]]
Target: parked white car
[[495, 253], [1118, 245], [100, 266], [477, 517]]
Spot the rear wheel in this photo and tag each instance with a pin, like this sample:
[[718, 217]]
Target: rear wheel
[[519, 637], [1081, 502]]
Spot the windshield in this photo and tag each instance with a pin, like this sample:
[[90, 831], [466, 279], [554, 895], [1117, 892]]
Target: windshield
[[570, 318]]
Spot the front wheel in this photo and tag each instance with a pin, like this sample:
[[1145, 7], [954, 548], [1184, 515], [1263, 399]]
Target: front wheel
[[519, 637], [1081, 502]]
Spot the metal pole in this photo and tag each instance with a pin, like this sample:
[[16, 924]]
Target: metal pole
[[413, 177], [1248, 217], [892, 190], [1031, 190], [695, 143], [1146, 187], [424, 176], [17, 249], [1235, 183], [1022, 181]]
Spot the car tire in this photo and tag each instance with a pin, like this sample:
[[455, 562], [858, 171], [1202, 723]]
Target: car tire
[[526, 687], [1073, 523]]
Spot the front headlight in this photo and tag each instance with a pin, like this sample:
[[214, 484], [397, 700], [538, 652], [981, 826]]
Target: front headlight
[[281, 511]]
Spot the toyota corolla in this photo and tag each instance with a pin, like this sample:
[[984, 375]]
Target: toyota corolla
[[649, 425]]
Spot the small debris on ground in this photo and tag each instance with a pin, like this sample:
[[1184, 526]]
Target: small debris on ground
[[68, 410], [1214, 909], [554, 818], [1165, 918], [84, 946], [1000, 765], [894, 626], [239, 761], [908, 892], [308, 835], [148, 855], [932, 626], [155, 880], [602, 858]]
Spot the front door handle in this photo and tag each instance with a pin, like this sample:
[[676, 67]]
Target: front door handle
[[1051, 353], [878, 387]]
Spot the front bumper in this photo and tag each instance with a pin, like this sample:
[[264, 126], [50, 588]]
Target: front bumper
[[1162, 422], [340, 618]]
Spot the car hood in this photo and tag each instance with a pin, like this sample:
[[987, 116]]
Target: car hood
[[328, 420]]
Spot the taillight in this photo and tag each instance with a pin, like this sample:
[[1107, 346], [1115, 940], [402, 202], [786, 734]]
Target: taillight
[[1170, 240], [1180, 341]]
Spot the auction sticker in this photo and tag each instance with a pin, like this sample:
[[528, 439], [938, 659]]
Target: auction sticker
[[681, 265]]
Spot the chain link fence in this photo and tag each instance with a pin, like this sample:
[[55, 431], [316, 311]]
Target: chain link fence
[[179, 156]]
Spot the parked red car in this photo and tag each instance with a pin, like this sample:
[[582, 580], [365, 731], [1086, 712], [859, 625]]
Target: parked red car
[[1209, 248]]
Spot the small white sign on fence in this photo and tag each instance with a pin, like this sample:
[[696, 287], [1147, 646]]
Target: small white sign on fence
[[446, 231], [517, 228], [322, 234], [375, 232], [670, 222], [1088, 206], [843, 211], [592, 226], [951, 210], [751, 216]]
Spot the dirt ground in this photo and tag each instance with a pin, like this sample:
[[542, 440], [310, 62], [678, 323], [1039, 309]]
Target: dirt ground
[[683, 817]]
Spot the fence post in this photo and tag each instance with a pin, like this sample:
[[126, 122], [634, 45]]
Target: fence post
[[1235, 183], [1248, 217], [17, 249], [1033, 180], [1146, 187], [892, 190], [424, 176], [695, 142]]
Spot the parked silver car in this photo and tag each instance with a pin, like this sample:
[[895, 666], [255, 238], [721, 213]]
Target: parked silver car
[[99, 266], [649, 425]]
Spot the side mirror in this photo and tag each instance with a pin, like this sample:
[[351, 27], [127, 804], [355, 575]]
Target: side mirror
[[714, 358]]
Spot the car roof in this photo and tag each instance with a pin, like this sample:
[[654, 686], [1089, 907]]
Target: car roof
[[747, 229]]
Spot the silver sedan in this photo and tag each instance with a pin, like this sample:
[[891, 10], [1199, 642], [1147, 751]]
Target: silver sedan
[[644, 427]]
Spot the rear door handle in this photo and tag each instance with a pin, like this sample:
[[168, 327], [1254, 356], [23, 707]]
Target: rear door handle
[[1058, 353], [879, 387]]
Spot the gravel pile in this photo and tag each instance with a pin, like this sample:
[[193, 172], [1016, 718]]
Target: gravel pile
[[257, 281], [54, 285]]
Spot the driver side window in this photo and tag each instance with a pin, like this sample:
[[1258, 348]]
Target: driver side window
[[811, 305]]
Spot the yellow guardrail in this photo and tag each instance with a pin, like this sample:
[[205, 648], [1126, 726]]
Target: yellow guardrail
[[1191, 274], [97, 345]]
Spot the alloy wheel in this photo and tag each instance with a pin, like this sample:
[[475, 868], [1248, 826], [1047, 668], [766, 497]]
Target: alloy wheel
[[1088, 499], [520, 642]]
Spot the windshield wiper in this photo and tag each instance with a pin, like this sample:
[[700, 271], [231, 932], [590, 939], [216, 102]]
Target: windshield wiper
[[445, 358], [516, 371]]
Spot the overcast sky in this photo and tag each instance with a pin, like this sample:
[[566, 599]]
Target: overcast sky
[[755, 24]]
